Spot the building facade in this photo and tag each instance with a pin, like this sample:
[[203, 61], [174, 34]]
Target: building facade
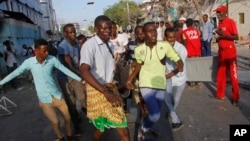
[[49, 20], [22, 21], [171, 10], [240, 12]]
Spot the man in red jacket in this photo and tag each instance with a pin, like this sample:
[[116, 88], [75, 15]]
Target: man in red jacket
[[227, 33], [192, 42], [192, 39]]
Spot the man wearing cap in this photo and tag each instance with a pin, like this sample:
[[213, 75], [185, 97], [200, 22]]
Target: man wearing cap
[[182, 21], [227, 33]]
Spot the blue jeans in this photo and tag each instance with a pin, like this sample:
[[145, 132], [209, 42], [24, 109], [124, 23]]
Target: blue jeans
[[172, 99], [206, 48], [153, 99]]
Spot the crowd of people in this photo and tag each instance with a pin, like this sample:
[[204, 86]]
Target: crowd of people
[[100, 75]]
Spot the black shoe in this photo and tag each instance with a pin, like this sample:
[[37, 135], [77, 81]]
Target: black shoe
[[235, 103], [155, 132], [84, 110], [177, 126], [78, 133], [71, 138]]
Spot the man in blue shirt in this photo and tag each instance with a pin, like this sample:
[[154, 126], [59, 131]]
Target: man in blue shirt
[[207, 34], [72, 90], [50, 97]]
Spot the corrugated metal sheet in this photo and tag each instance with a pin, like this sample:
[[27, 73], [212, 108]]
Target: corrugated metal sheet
[[17, 16]]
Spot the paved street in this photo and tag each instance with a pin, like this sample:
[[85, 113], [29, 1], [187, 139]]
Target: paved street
[[204, 118]]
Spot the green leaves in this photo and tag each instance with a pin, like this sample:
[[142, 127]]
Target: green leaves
[[123, 11]]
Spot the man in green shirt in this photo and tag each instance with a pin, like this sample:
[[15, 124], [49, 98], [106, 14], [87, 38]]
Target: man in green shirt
[[151, 60]]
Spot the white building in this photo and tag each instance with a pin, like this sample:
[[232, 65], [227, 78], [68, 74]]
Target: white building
[[77, 27], [237, 10], [49, 19], [240, 12]]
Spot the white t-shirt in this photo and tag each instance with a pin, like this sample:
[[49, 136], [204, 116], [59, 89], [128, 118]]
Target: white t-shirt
[[180, 77], [160, 33], [184, 27], [120, 42], [11, 59], [95, 53]]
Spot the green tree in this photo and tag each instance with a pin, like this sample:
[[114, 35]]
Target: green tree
[[123, 12], [61, 28], [91, 29]]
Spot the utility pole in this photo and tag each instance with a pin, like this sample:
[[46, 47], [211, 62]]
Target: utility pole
[[128, 12]]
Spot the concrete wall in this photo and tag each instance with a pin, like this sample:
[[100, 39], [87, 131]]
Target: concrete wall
[[20, 31], [241, 7]]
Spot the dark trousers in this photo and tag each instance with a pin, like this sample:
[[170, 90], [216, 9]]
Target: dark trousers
[[206, 48], [13, 82], [71, 105]]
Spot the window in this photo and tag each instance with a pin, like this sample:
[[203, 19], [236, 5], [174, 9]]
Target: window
[[241, 18]]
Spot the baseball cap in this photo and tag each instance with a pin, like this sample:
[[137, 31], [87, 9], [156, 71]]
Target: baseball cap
[[182, 19], [221, 8]]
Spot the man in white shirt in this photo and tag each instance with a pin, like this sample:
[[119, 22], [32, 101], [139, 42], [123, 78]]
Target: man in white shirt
[[97, 64], [11, 62], [160, 31], [119, 41], [175, 83]]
